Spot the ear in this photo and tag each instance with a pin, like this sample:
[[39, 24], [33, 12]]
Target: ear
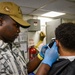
[[0, 21], [57, 43]]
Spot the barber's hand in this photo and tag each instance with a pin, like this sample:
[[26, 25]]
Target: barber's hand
[[42, 52], [43, 49], [51, 55]]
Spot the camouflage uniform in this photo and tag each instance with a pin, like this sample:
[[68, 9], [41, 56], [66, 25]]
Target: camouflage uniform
[[11, 60]]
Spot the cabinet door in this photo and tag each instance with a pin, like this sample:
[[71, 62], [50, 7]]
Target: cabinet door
[[50, 29]]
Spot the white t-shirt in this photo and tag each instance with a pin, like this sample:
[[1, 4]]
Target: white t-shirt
[[71, 58]]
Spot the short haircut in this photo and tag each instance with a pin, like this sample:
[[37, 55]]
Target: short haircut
[[65, 33]]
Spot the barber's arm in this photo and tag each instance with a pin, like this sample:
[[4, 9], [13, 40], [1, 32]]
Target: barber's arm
[[51, 55], [33, 64]]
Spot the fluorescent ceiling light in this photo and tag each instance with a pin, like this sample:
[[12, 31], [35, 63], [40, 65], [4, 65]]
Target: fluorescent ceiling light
[[53, 14], [43, 20]]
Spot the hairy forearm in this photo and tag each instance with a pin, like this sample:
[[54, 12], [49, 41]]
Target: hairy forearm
[[33, 64], [43, 69]]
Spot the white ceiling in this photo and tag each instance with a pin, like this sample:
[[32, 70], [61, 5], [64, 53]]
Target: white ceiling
[[38, 7]]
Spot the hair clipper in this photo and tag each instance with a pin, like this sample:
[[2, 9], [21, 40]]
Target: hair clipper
[[49, 45], [51, 42]]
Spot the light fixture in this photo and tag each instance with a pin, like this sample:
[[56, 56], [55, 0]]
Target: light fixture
[[53, 14], [43, 20]]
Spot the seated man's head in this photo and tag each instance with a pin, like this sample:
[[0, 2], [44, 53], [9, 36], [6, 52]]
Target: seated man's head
[[65, 38], [11, 19]]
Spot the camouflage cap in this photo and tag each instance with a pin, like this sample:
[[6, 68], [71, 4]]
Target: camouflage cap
[[14, 11]]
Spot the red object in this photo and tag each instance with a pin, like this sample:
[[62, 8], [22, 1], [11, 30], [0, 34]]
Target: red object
[[32, 52]]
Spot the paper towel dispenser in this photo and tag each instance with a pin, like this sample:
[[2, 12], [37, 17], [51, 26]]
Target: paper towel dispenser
[[34, 24]]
